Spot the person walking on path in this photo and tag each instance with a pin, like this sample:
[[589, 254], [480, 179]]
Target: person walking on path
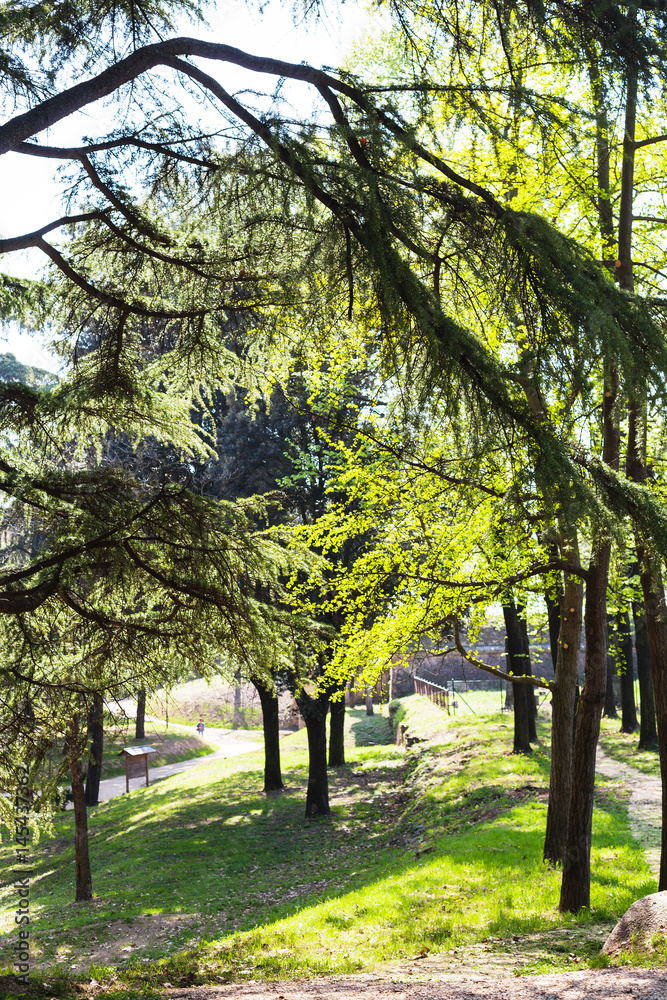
[[200, 727]]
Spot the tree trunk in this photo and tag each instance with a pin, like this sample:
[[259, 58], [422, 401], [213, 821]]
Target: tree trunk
[[609, 710], [140, 725], [519, 663], [337, 732], [553, 599], [650, 572], [84, 882], [509, 693], [563, 704], [369, 701], [236, 724], [273, 779], [96, 733], [532, 696], [656, 626], [648, 735], [628, 709], [576, 885], [314, 712]]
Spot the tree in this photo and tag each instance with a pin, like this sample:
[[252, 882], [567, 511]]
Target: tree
[[422, 233]]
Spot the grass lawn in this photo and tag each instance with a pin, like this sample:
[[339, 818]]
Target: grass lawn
[[431, 862], [623, 747]]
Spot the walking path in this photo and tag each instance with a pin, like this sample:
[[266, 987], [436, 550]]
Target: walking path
[[644, 806], [229, 743]]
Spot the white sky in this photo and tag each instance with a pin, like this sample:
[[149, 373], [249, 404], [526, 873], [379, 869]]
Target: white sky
[[32, 192]]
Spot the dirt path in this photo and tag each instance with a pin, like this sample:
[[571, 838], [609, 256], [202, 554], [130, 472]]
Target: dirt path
[[588, 984], [644, 807]]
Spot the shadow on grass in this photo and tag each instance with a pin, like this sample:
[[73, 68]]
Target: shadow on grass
[[370, 730], [232, 859]]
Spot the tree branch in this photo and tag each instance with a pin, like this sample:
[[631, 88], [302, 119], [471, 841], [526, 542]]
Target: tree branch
[[650, 142], [76, 152], [32, 239], [495, 671]]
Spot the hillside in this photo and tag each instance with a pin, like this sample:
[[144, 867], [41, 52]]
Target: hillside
[[434, 853]]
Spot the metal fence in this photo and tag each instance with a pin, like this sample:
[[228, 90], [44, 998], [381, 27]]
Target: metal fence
[[435, 692]]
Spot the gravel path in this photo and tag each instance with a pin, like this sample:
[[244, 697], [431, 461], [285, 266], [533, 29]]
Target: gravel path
[[644, 806], [588, 984]]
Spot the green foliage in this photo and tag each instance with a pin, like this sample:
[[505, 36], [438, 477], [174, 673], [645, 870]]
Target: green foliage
[[12, 370]]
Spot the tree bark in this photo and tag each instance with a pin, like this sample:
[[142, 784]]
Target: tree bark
[[656, 626], [337, 732], [314, 712], [273, 779], [519, 663], [236, 723], [576, 885], [609, 711], [650, 572], [96, 733], [553, 617], [648, 734], [140, 725], [629, 722], [563, 713], [83, 877]]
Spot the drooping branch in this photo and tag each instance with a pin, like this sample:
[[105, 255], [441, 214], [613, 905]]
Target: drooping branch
[[495, 671], [33, 239], [16, 602], [76, 152], [112, 300]]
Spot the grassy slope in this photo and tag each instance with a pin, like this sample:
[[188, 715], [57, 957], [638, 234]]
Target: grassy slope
[[435, 851], [623, 747], [213, 700]]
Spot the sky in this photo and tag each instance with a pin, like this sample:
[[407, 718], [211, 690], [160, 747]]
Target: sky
[[35, 190]]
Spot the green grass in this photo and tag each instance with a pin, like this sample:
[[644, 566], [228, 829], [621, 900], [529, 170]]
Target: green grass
[[433, 852], [623, 747], [171, 748]]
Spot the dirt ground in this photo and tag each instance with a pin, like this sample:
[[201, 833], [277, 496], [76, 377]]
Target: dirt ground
[[588, 984]]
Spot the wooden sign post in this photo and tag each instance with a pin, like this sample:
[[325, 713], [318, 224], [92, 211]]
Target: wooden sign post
[[136, 763]]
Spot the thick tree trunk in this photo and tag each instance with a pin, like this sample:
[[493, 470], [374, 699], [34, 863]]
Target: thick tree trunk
[[629, 722], [562, 716], [140, 725], [369, 701], [509, 693], [96, 734], [576, 885], [83, 877], [337, 732], [314, 712], [273, 779], [648, 734], [519, 663], [650, 571]]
